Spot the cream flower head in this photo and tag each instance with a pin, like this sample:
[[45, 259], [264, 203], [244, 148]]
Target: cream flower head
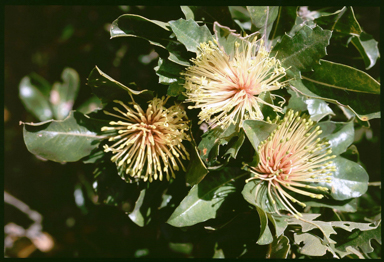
[[226, 89], [293, 158], [148, 142]]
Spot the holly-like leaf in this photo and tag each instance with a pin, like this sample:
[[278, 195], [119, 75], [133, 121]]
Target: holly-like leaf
[[66, 140], [361, 242], [340, 135], [107, 89], [312, 245], [304, 49], [63, 95], [130, 25], [349, 205], [178, 54], [189, 33], [34, 99], [205, 198]]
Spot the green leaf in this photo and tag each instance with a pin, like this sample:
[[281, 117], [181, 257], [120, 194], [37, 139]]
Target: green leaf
[[312, 245], [340, 135], [34, 100], [90, 105], [107, 89], [178, 54], [263, 18], [147, 203], [196, 170], [362, 241], [279, 248], [208, 14], [330, 75], [189, 33], [212, 140], [265, 236], [205, 198], [357, 100], [227, 38], [63, 95], [348, 181], [317, 108], [66, 140], [175, 89], [349, 205], [368, 48], [342, 21], [168, 71], [257, 131], [304, 49], [155, 32]]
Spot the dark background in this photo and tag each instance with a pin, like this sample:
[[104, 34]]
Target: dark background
[[45, 40]]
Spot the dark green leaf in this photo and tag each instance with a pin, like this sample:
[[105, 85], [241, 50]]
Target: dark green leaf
[[149, 200], [358, 101], [263, 18], [63, 95], [304, 49], [279, 247], [205, 198], [285, 21], [34, 100], [108, 89], [257, 131], [208, 14], [265, 236], [64, 140], [189, 33], [175, 89], [178, 54], [333, 75], [168, 71], [155, 32], [279, 222], [368, 48], [342, 21], [340, 135], [348, 181], [196, 170]]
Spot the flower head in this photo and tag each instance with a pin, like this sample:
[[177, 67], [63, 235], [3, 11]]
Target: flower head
[[226, 88], [292, 158], [148, 142]]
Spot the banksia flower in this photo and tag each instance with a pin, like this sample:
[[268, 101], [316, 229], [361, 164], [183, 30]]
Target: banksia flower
[[226, 88], [148, 142], [293, 158]]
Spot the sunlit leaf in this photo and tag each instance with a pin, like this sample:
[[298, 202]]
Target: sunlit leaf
[[367, 47], [196, 170], [279, 247], [263, 18], [304, 49], [189, 33], [208, 14], [257, 131], [340, 135]]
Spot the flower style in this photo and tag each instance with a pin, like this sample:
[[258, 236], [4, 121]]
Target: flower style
[[226, 89], [293, 157], [148, 142]]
